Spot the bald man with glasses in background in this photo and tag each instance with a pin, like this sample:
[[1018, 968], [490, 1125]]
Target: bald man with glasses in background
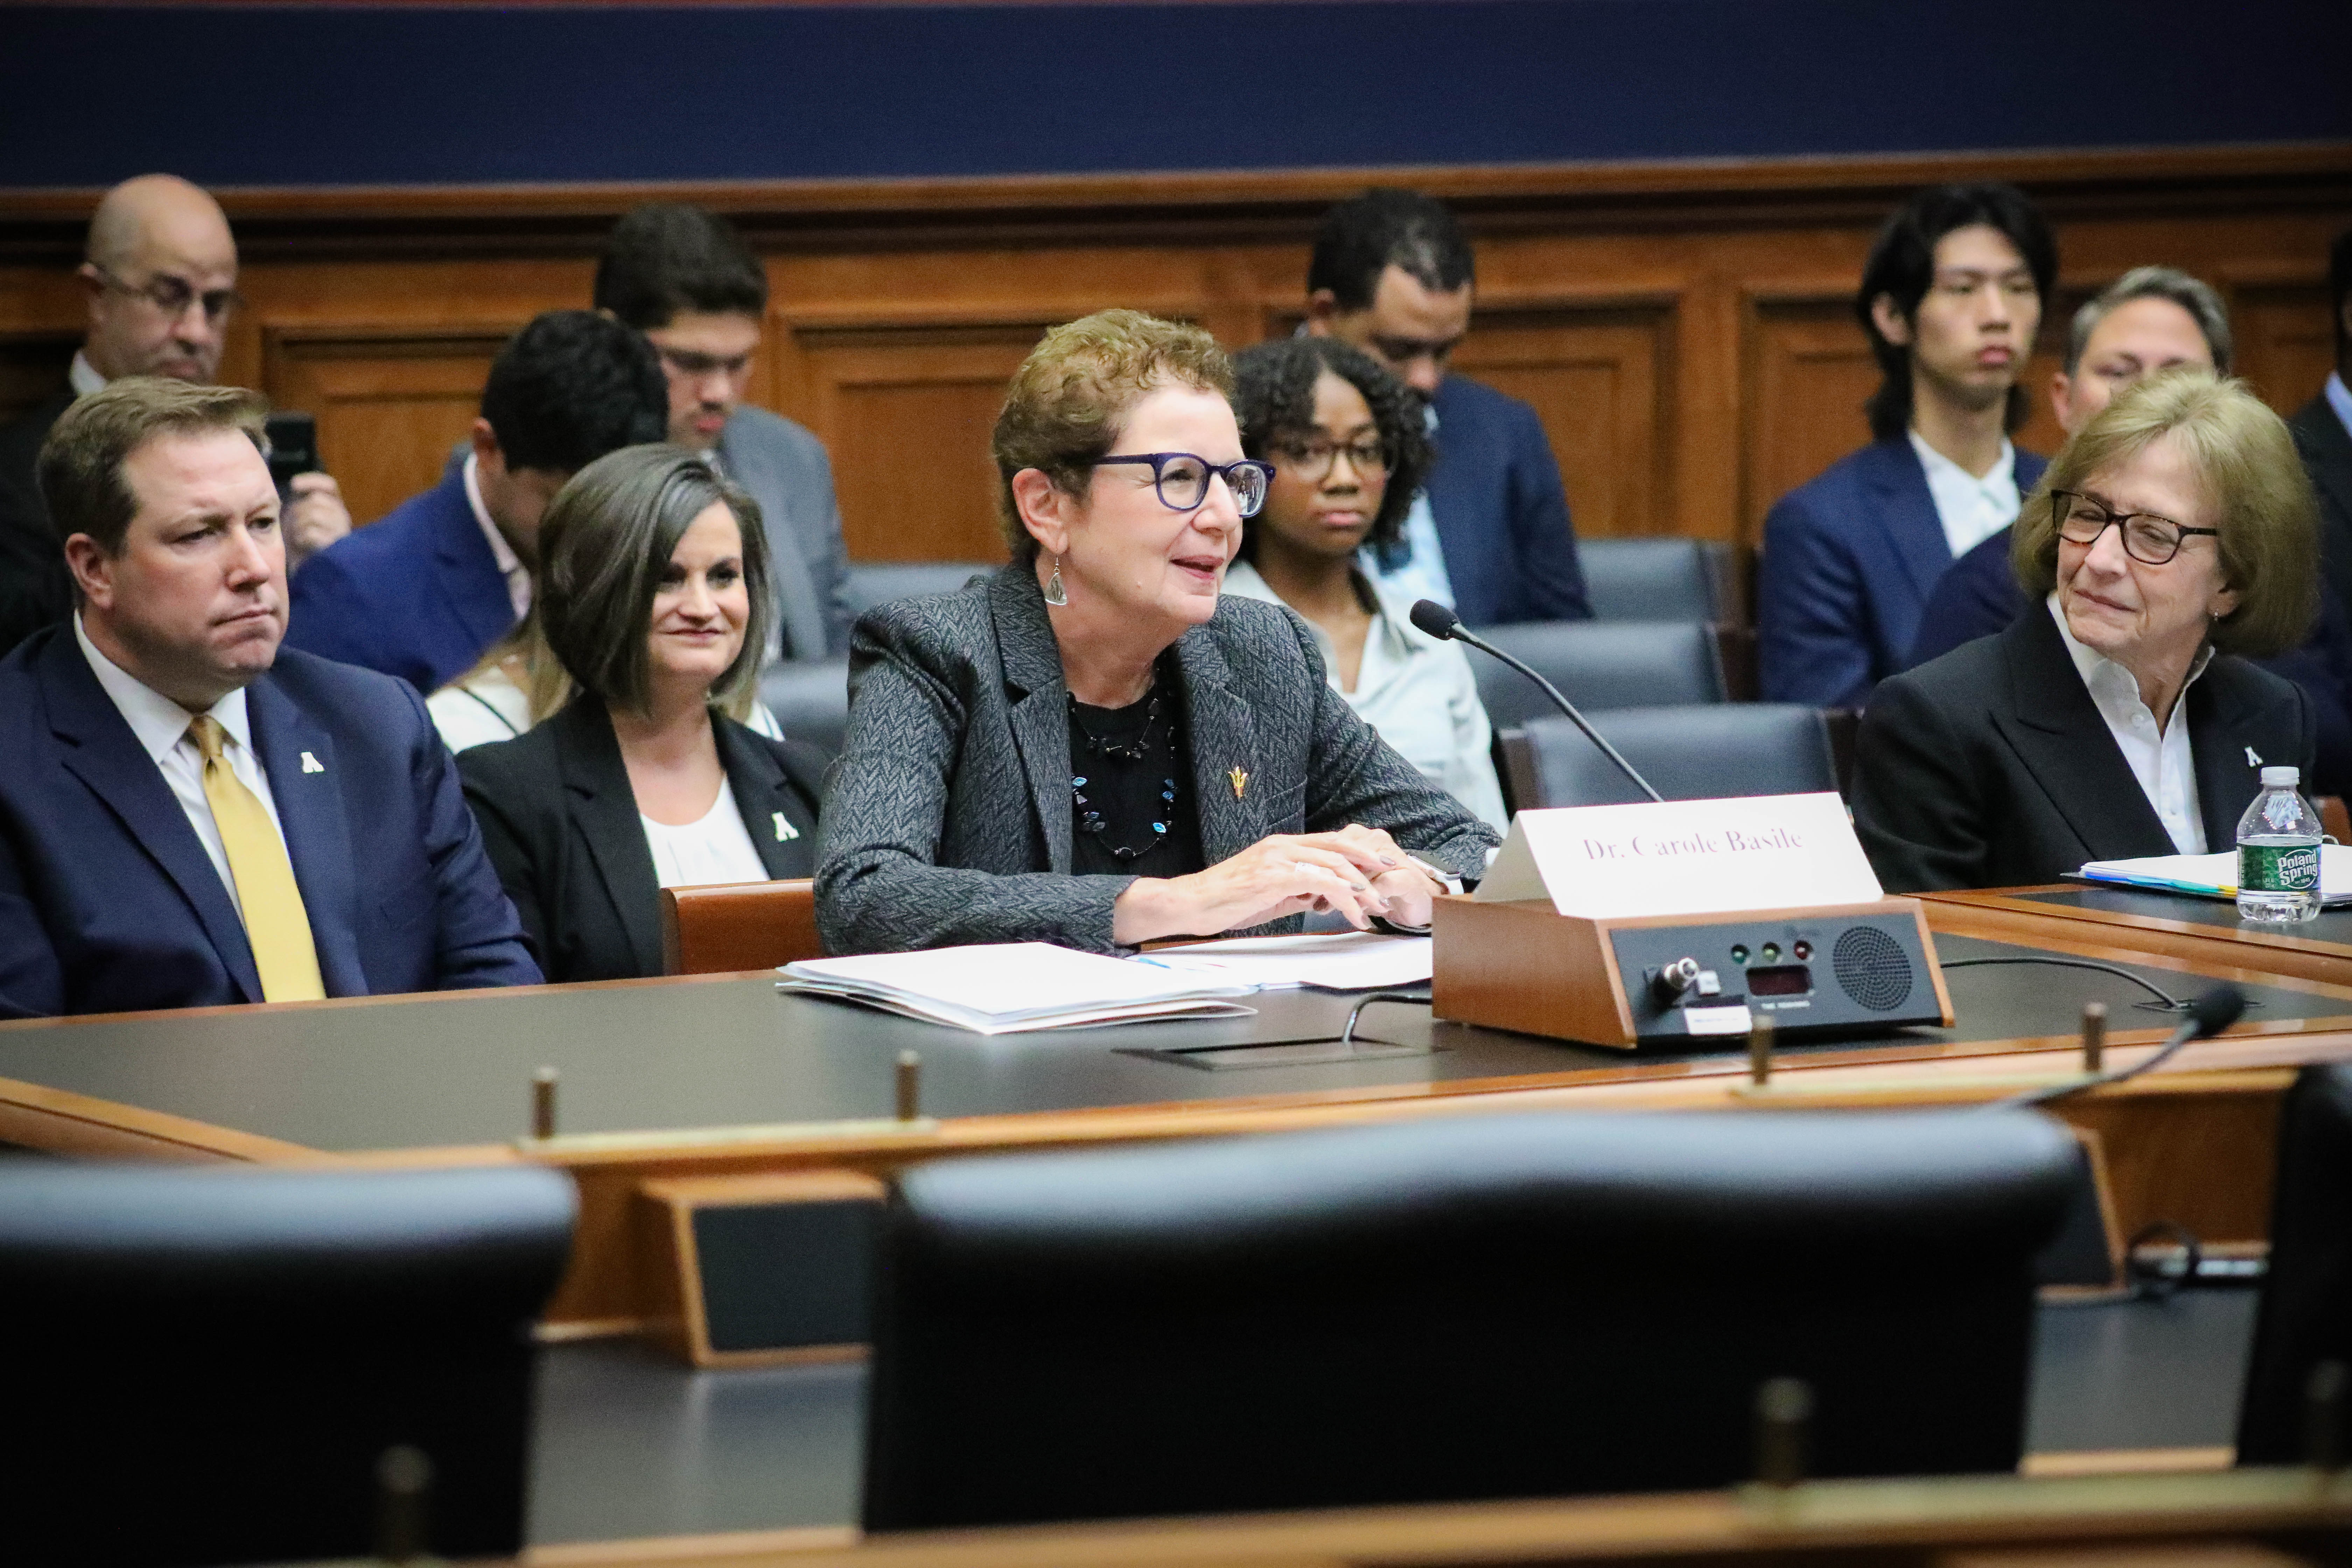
[[159, 282]]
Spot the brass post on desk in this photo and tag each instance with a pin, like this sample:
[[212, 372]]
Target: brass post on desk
[[542, 1102], [1784, 1413], [2095, 1037], [1759, 1049], [910, 1085], [403, 1488]]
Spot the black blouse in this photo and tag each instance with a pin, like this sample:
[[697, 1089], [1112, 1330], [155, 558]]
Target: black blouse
[[1129, 776]]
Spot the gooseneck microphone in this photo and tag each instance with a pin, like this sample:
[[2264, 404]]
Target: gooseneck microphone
[[1443, 623], [2208, 1015]]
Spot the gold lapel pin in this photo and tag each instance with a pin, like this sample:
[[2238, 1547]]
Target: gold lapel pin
[[1241, 781]]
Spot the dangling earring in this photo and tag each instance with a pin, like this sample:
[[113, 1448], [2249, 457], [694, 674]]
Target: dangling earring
[[1056, 595]]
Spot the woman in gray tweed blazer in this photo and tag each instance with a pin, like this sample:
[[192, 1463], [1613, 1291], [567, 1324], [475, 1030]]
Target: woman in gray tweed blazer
[[1093, 747]]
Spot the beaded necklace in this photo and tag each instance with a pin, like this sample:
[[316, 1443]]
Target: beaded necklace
[[1090, 820]]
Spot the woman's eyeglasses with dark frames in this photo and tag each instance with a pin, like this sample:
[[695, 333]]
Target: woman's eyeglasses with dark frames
[[1311, 460], [1183, 478], [2150, 539]]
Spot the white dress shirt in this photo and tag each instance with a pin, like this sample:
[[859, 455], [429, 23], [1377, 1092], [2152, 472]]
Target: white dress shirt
[[1971, 510], [2163, 764], [719, 849], [1423, 575], [510, 565], [161, 728], [83, 377], [1417, 691]]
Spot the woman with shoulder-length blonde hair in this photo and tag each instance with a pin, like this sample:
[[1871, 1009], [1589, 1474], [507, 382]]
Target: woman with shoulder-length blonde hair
[[653, 596], [2174, 537], [1094, 746]]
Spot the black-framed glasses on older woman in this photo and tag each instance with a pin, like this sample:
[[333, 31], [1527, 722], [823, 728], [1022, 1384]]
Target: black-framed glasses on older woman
[[2150, 539], [1183, 478]]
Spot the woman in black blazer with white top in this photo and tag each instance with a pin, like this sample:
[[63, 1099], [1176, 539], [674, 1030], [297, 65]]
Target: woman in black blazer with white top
[[2118, 717], [654, 595]]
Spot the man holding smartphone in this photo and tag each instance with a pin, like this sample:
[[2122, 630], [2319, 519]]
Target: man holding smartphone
[[159, 281]]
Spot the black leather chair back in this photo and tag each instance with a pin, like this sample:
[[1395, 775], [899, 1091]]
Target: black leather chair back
[[879, 582], [208, 1364], [2307, 1310], [1656, 579], [810, 698], [1458, 1308], [1688, 754], [1599, 664]]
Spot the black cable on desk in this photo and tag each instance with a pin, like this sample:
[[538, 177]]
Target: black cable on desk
[[2170, 1001], [1348, 1032]]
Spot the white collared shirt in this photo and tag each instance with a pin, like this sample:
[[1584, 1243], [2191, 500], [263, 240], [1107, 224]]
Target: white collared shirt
[[161, 728], [83, 377], [1423, 574], [2339, 398], [1971, 510], [2164, 766], [719, 849], [1417, 691], [510, 565]]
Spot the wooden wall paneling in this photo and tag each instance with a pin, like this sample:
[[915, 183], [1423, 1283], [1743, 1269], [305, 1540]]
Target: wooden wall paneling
[[390, 400], [1807, 371], [1602, 380], [2285, 343]]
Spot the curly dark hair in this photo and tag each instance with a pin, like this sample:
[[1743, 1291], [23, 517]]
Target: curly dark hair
[[1273, 396]]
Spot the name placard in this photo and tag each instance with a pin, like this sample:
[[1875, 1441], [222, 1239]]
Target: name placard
[[1685, 858]]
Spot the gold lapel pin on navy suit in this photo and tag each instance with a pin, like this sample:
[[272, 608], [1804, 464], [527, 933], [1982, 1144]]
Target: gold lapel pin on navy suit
[[1241, 781]]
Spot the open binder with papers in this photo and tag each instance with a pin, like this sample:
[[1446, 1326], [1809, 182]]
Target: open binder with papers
[[1003, 988], [2214, 875]]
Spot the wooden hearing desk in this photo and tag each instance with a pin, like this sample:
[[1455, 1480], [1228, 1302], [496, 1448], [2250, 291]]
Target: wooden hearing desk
[[719, 1078], [2198, 931]]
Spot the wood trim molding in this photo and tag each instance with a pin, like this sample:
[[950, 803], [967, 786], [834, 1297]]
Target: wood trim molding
[[47, 224]]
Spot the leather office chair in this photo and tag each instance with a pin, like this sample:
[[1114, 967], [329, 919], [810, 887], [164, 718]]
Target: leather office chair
[[1459, 1308], [2307, 1309], [879, 582], [210, 1363], [1658, 579], [1600, 664], [1688, 754], [810, 700], [733, 926]]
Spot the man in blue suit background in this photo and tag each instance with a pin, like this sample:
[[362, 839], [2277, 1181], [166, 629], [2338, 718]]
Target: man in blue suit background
[[1489, 534], [1951, 299], [191, 815], [421, 593]]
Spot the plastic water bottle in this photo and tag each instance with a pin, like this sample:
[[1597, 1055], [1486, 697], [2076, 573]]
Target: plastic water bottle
[[2278, 853]]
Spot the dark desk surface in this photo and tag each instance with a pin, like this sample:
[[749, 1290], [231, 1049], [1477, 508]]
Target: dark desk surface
[[631, 1445], [2331, 927], [455, 1069]]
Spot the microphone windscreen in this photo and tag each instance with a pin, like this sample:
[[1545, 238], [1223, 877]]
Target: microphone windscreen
[[1434, 618], [2217, 1009]]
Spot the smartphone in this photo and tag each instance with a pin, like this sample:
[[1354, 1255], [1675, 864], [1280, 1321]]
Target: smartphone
[[293, 449]]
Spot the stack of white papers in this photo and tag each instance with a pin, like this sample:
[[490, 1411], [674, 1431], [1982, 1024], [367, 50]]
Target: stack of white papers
[[2215, 876], [1007, 988], [1350, 960]]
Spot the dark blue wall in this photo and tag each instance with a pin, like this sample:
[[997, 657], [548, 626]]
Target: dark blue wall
[[464, 95]]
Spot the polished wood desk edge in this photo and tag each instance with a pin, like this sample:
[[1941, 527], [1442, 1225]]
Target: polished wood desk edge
[[2255, 945], [59, 1121], [1831, 1515]]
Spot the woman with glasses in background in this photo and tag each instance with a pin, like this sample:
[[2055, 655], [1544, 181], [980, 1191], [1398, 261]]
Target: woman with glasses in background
[[2174, 536], [1093, 747], [1349, 450]]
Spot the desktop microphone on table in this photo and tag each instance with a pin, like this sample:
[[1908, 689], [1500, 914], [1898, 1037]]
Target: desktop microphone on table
[[1441, 623]]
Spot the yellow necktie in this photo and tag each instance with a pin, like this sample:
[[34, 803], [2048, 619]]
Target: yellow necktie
[[275, 920]]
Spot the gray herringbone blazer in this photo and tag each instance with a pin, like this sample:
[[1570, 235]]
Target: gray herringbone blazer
[[947, 818]]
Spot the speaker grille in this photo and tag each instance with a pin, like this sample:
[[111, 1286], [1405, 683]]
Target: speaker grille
[[1872, 968]]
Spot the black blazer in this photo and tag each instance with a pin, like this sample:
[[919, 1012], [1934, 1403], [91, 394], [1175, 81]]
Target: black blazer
[[1991, 767], [2327, 450], [560, 824]]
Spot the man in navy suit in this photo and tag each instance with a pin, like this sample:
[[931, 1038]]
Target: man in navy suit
[[2151, 319], [421, 593], [191, 815], [1489, 534], [1951, 297]]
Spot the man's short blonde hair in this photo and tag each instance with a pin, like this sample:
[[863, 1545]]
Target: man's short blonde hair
[[2261, 499], [1064, 408], [79, 469]]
